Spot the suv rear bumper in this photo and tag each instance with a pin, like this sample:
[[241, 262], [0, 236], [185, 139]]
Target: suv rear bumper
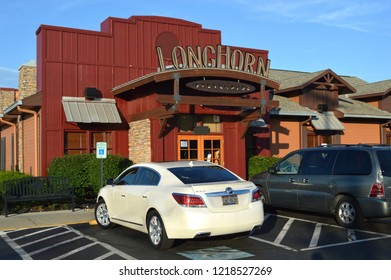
[[375, 208]]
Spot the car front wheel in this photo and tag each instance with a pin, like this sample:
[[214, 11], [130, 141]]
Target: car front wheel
[[102, 215], [157, 233], [347, 212]]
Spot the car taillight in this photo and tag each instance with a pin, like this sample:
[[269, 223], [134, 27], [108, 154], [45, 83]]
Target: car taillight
[[256, 195], [188, 200], [377, 190]]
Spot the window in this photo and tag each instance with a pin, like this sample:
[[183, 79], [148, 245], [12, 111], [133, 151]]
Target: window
[[353, 163], [100, 137], [147, 177], [385, 162], [139, 176], [290, 165], [202, 174], [318, 163], [128, 178], [75, 143], [85, 142]]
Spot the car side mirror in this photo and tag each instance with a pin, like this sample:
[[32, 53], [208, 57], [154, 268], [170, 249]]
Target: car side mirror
[[272, 170], [109, 181]]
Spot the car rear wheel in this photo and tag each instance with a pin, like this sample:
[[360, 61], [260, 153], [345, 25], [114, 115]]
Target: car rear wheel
[[157, 233], [347, 212], [102, 215]]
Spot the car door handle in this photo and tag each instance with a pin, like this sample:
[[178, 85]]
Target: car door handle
[[305, 180], [123, 195], [145, 196], [292, 180]]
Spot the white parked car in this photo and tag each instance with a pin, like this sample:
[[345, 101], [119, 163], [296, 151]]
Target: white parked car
[[180, 200]]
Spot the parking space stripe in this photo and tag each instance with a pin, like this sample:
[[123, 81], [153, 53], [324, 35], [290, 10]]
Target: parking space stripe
[[34, 233], [272, 243], [45, 238], [7, 237], [22, 253], [315, 236], [75, 251], [284, 231], [55, 245]]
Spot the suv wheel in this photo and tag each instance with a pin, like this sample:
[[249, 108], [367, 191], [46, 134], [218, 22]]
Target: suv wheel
[[347, 212]]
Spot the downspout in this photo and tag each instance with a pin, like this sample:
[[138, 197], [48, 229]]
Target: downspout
[[35, 114], [15, 141]]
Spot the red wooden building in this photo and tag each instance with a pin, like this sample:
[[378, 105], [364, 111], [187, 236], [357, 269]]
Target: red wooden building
[[153, 88]]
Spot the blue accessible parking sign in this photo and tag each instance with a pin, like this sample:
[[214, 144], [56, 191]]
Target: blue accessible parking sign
[[101, 150]]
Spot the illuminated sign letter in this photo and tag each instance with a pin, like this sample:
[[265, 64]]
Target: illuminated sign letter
[[237, 60], [195, 60], [249, 62], [182, 55], [262, 69], [211, 62], [160, 58], [227, 55]]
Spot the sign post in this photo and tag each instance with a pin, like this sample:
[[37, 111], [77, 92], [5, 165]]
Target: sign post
[[101, 153]]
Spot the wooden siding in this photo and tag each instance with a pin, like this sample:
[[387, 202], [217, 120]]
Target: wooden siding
[[7, 133], [361, 133], [285, 136], [28, 150]]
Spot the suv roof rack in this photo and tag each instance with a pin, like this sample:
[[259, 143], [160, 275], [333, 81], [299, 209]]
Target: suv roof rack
[[354, 145]]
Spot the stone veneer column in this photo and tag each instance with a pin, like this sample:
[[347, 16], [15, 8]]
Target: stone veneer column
[[140, 141]]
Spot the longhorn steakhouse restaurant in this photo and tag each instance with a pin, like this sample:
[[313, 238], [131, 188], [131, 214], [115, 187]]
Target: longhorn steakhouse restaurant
[[163, 89]]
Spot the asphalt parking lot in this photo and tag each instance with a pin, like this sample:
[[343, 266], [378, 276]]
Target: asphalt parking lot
[[281, 237]]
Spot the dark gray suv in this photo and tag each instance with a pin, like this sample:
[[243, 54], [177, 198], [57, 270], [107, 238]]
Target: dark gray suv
[[352, 182]]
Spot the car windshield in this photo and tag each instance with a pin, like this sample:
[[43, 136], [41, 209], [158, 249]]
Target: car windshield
[[385, 162], [202, 174]]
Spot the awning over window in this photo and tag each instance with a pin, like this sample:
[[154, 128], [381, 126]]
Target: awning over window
[[326, 121], [80, 110]]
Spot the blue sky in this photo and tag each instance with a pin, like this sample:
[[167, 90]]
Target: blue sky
[[351, 37]]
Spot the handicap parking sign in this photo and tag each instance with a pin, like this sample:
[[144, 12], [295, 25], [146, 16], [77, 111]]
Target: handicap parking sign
[[101, 150]]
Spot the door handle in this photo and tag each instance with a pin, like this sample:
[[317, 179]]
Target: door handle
[[144, 196], [306, 180], [292, 180], [123, 195]]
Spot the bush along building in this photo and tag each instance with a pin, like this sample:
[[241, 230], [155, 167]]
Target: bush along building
[[159, 89]]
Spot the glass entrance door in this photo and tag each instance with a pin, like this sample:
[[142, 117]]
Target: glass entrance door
[[201, 147]]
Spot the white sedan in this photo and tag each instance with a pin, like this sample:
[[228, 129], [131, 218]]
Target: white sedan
[[180, 200]]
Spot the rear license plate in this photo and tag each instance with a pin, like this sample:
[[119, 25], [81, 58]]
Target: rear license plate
[[230, 199]]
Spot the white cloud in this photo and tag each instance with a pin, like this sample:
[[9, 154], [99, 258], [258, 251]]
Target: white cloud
[[8, 77], [351, 14]]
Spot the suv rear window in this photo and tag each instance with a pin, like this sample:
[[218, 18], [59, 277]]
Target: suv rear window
[[385, 162], [352, 162], [202, 174]]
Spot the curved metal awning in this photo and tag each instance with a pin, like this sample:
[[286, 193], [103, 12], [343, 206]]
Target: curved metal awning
[[194, 73]]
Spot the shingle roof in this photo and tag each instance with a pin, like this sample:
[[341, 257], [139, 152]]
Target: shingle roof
[[382, 87], [348, 106], [359, 109]]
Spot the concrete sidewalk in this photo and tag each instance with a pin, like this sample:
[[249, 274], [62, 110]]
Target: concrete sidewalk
[[49, 218]]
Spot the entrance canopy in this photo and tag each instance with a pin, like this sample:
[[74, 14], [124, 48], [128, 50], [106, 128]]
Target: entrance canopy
[[80, 110], [227, 74], [326, 121]]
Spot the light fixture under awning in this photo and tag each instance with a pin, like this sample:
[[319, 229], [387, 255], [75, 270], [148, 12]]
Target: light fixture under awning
[[80, 110], [326, 121]]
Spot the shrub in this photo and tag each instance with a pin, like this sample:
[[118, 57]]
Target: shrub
[[257, 164], [84, 172], [10, 175]]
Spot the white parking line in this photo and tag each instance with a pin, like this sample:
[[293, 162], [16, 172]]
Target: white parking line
[[315, 236], [351, 235], [284, 231], [28, 256]]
